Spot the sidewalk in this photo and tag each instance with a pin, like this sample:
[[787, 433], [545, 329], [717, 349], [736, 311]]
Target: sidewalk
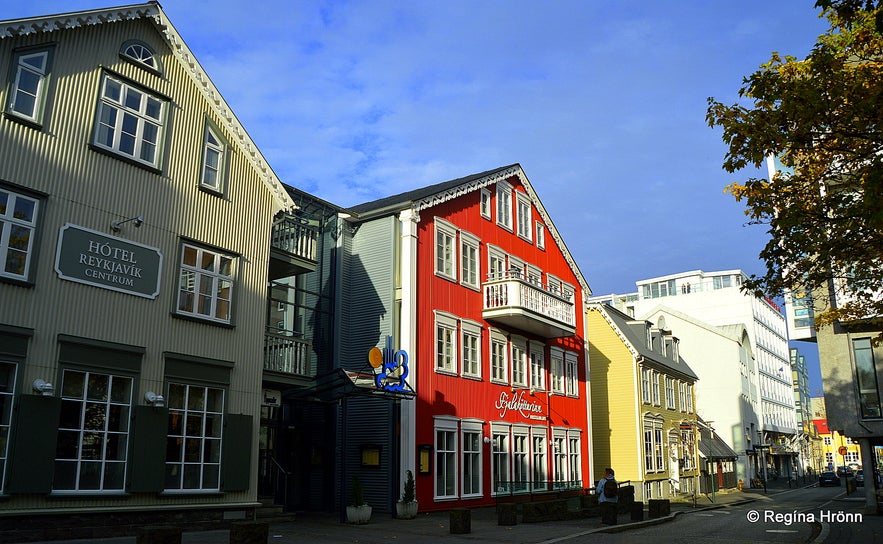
[[434, 527]]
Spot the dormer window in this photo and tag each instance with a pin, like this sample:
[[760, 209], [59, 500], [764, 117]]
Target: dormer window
[[140, 53]]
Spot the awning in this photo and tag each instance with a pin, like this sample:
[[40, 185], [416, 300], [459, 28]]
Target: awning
[[341, 383], [713, 448]]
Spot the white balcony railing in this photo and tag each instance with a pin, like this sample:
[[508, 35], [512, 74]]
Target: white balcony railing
[[286, 354], [529, 306]]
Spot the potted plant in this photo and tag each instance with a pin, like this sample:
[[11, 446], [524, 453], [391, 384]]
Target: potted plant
[[358, 510], [407, 507]]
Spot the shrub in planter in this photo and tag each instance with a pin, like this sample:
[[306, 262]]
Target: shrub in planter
[[407, 507]]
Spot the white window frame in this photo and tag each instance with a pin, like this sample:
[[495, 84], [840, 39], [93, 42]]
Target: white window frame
[[30, 82], [470, 342], [669, 393], [447, 453], [515, 268], [214, 157], [498, 348], [682, 396], [646, 380], [654, 387], [500, 459], [539, 451], [471, 458], [18, 232], [534, 275], [537, 366], [114, 133], [112, 405], [689, 398], [571, 365], [201, 284], [654, 445], [524, 217], [496, 263], [206, 403], [140, 53], [518, 358], [485, 203], [445, 343], [560, 472], [7, 395], [541, 235], [504, 205], [574, 456], [445, 249], [521, 457], [556, 364], [469, 259]]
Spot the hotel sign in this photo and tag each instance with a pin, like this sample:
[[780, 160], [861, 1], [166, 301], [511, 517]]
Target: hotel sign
[[93, 258]]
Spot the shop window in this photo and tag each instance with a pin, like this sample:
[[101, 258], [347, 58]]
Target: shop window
[[193, 447], [93, 433], [7, 392]]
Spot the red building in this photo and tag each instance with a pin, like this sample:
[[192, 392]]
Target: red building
[[489, 308]]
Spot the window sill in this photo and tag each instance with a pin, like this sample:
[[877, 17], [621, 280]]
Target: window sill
[[195, 319], [191, 493], [78, 495]]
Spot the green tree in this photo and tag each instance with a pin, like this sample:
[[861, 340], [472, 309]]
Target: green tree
[[821, 118]]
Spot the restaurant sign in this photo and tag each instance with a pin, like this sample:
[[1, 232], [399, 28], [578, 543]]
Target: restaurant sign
[[93, 258]]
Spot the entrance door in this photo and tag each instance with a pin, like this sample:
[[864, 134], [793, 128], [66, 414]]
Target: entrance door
[[268, 466]]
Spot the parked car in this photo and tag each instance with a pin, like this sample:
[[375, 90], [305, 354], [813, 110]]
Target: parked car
[[828, 478], [844, 471], [860, 477]]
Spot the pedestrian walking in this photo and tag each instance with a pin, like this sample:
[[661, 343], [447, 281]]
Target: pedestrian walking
[[608, 497]]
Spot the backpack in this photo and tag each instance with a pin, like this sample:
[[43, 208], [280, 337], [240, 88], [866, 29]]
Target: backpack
[[611, 489]]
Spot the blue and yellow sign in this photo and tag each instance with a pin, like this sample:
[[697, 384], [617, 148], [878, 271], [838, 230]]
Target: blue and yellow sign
[[393, 365]]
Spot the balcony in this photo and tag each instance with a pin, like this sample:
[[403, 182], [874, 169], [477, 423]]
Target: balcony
[[292, 247], [287, 356], [518, 304]]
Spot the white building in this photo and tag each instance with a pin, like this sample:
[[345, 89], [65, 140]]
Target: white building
[[721, 357], [716, 298]]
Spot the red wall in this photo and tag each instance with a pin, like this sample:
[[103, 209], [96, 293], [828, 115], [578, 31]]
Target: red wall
[[462, 397]]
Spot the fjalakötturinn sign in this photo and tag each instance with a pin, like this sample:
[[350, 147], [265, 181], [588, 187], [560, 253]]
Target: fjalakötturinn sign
[[90, 257]]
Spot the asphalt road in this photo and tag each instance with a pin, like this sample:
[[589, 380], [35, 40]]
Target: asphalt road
[[792, 517]]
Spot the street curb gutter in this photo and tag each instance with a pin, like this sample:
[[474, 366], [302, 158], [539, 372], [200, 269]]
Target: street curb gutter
[[640, 524]]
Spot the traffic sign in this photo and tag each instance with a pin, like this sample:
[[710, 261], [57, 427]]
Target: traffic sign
[[842, 450]]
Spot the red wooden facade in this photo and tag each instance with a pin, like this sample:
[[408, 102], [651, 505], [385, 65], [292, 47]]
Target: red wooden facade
[[484, 435]]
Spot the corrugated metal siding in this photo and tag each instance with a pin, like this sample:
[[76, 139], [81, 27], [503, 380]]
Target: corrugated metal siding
[[367, 319], [91, 190], [368, 281]]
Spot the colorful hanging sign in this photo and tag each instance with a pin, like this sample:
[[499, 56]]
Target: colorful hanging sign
[[393, 365]]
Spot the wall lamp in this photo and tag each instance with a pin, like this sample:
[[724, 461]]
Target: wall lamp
[[157, 401], [117, 225], [43, 387]]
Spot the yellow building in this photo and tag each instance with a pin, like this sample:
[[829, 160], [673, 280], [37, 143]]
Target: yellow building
[[837, 450], [644, 421]]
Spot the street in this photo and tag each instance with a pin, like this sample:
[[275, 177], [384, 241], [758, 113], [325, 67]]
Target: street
[[795, 516]]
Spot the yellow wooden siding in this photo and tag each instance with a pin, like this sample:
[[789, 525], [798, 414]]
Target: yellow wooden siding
[[614, 401]]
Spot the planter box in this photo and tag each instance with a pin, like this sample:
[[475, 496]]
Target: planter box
[[358, 514], [406, 510]]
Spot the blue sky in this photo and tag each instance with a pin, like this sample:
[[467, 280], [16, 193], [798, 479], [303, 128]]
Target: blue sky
[[601, 102]]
